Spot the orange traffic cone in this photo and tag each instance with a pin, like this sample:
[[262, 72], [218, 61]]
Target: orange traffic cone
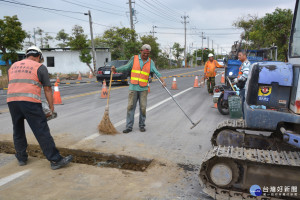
[[196, 82], [91, 75], [56, 95], [104, 90], [57, 78], [174, 84], [79, 76], [148, 88], [223, 78], [215, 105]]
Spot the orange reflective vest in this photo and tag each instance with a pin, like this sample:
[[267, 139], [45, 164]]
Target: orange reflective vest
[[24, 84], [140, 76], [240, 71], [210, 68]]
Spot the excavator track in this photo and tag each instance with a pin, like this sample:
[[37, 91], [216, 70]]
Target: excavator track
[[247, 167], [233, 133]]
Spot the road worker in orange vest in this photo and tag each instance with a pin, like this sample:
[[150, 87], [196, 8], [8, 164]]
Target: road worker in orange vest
[[26, 80], [210, 72], [140, 66]]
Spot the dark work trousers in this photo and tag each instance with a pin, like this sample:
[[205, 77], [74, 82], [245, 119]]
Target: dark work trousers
[[34, 115], [242, 95], [211, 84], [133, 98]]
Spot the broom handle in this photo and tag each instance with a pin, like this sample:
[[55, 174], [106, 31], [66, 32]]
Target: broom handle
[[111, 75]]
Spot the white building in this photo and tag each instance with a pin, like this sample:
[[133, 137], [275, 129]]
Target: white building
[[66, 61]]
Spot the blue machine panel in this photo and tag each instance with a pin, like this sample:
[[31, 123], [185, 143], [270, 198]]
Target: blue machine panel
[[276, 72]]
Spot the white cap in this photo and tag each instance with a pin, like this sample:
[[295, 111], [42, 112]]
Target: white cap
[[210, 55], [146, 47]]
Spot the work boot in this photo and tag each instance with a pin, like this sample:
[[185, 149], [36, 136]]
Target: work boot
[[142, 129], [63, 162], [22, 162], [127, 130]]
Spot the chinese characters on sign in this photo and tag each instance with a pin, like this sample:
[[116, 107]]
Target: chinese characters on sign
[[291, 191]]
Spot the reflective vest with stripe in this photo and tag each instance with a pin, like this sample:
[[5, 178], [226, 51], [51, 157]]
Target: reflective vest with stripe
[[24, 84], [140, 76]]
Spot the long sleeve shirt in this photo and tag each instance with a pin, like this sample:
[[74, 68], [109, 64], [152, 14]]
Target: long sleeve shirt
[[128, 67], [245, 67], [210, 68]]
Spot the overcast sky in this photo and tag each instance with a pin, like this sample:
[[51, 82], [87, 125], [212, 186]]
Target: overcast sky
[[213, 17]]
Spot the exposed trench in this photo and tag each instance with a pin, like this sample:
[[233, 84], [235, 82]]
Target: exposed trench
[[86, 157]]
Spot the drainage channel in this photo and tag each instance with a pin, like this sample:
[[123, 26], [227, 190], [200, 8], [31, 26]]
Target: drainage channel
[[86, 157]]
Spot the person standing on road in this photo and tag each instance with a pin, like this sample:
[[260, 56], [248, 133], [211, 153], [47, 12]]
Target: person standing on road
[[26, 79], [241, 80], [140, 66], [210, 72]]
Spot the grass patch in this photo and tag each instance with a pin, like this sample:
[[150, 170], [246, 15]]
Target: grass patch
[[3, 81]]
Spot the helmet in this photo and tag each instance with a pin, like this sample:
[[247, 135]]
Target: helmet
[[210, 55], [35, 50]]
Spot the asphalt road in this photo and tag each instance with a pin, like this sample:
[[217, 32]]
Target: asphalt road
[[176, 149]]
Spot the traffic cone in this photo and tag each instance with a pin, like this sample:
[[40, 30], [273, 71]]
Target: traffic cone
[[196, 82], [91, 75], [57, 78], [79, 76], [148, 88], [174, 84], [215, 105], [223, 78], [56, 95], [104, 90]]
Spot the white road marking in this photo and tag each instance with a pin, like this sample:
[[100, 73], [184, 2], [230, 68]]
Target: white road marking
[[95, 135], [12, 177]]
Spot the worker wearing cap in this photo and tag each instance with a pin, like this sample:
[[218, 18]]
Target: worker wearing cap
[[210, 72], [140, 66], [26, 79]]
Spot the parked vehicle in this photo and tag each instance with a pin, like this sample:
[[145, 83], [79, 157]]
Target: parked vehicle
[[104, 72]]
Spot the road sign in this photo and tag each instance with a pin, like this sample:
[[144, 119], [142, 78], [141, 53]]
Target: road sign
[[198, 58]]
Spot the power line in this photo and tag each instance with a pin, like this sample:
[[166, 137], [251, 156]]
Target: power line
[[51, 9], [113, 13], [98, 5], [168, 8], [161, 10], [112, 4], [161, 16]]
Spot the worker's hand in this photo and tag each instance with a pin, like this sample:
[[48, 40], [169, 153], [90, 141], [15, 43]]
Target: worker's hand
[[113, 69], [235, 80], [164, 84]]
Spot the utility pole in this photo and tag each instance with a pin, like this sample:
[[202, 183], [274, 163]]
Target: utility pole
[[92, 40], [207, 42], [202, 47], [153, 30], [131, 16], [34, 37], [185, 22]]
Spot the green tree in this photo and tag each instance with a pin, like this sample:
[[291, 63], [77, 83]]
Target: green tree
[[149, 39], [273, 28], [177, 51], [11, 38], [162, 61], [28, 43], [63, 37], [78, 41], [47, 38], [122, 42], [205, 55], [40, 32]]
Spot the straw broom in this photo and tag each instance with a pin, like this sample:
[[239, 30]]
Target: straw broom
[[105, 126]]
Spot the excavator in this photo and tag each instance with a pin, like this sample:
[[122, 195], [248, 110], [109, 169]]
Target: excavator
[[258, 157]]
